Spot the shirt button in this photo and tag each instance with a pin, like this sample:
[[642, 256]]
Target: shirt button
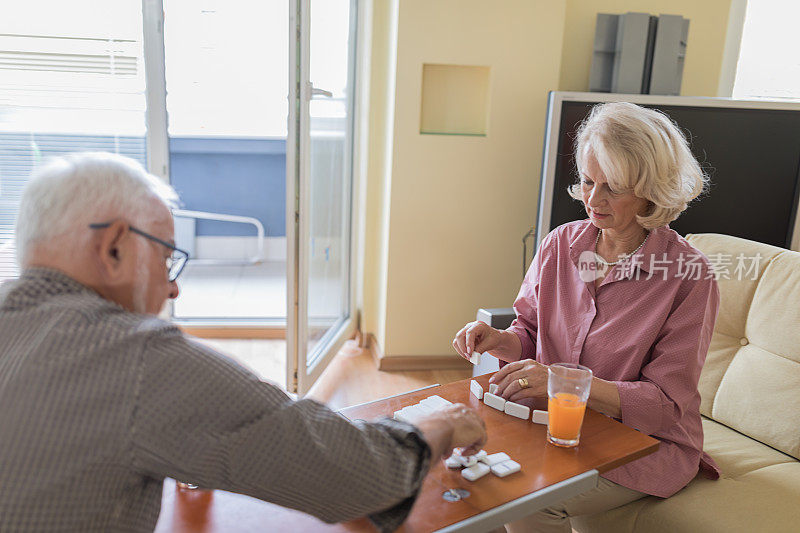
[[743, 341]]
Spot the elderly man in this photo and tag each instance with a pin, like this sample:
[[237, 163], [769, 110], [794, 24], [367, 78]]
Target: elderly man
[[100, 400]]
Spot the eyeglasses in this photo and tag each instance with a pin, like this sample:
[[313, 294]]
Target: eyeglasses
[[175, 262]]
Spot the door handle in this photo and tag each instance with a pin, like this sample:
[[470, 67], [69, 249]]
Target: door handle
[[320, 92]]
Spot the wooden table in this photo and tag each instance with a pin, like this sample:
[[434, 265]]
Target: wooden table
[[549, 475]]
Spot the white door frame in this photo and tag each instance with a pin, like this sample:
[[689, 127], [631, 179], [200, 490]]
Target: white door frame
[[300, 378]]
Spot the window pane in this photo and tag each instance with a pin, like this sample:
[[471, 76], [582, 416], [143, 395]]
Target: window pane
[[227, 83], [769, 64], [70, 81], [330, 180]]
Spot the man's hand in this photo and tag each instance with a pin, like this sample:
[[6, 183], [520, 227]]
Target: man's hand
[[455, 426]]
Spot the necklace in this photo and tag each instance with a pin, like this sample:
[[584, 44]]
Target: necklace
[[621, 259]]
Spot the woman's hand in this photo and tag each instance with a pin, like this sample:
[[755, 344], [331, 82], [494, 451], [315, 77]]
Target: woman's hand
[[509, 387], [476, 337]]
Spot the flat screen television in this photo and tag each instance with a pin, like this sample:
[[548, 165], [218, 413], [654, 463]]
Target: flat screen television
[[750, 149]]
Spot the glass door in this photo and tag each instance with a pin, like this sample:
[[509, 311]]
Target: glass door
[[226, 66], [320, 185]]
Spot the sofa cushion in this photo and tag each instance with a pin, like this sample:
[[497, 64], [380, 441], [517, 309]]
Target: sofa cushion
[[736, 454], [751, 378], [735, 298], [735, 294], [754, 494], [760, 397]]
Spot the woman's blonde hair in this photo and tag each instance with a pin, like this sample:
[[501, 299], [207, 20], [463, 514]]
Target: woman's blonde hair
[[641, 151]]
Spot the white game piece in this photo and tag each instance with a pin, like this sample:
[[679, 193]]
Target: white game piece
[[515, 409], [493, 388], [480, 455], [540, 417], [495, 459], [467, 460], [506, 468], [424, 409], [408, 415], [476, 389], [398, 415], [435, 402], [475, 471], [475, 358], [498, 402], [453, 462], [439, 399]]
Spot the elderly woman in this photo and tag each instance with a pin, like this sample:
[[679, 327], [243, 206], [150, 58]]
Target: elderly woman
[[623, 294]]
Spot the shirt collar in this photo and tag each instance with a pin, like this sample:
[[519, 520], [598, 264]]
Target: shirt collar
[[36, 285]]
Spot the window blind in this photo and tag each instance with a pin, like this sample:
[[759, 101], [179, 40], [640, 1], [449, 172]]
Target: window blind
[[70, 82]]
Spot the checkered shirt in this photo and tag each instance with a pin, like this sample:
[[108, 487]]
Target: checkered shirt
[[98, 405]]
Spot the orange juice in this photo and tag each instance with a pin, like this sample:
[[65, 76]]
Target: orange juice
[[565, 416]]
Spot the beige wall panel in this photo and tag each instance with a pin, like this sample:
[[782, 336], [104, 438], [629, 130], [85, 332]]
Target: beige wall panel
[[460, 205]]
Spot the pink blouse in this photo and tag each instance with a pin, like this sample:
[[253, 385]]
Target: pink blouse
[[646, 328]]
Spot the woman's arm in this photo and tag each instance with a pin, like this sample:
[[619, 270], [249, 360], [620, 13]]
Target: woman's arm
[[525, 327], [668, 382], [604, 397], [510, 348]]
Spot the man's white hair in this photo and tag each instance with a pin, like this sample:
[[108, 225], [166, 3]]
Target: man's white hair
[[68, 193]]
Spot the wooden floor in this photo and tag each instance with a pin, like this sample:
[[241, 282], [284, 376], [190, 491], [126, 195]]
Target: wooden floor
[[350, 379]]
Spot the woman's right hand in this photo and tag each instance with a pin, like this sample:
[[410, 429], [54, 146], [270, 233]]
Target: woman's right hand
[[476, 337]]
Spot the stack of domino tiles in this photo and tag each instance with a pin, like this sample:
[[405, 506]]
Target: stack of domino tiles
[[413, 413], [480, 464], [501, 404]]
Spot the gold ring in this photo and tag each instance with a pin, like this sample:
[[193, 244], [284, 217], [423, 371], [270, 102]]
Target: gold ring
[[523, 383]]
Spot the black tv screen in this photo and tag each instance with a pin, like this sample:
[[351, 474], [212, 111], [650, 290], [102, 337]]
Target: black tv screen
[[752, 155]]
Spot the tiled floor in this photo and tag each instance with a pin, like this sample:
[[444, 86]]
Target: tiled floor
[[251, 291], [254, 292]]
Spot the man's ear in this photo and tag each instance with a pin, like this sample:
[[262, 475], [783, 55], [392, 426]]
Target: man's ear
[[112, 249]]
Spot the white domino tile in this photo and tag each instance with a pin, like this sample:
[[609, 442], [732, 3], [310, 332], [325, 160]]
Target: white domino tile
[[476, 389], [515, 409], [493, 388], [453, 462], [475, 471], [467, 460], [506, 468], [540, 417], [475, 358], [435, 402], [495, 458], [498, 402], [424, 408]]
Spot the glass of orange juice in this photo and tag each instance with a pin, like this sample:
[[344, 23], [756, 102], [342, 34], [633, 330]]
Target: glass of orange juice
[[568, 387]]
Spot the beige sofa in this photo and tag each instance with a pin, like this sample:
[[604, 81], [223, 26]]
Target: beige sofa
[[750, 388]]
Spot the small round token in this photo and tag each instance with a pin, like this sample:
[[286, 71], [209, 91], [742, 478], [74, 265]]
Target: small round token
[[455, 495]]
